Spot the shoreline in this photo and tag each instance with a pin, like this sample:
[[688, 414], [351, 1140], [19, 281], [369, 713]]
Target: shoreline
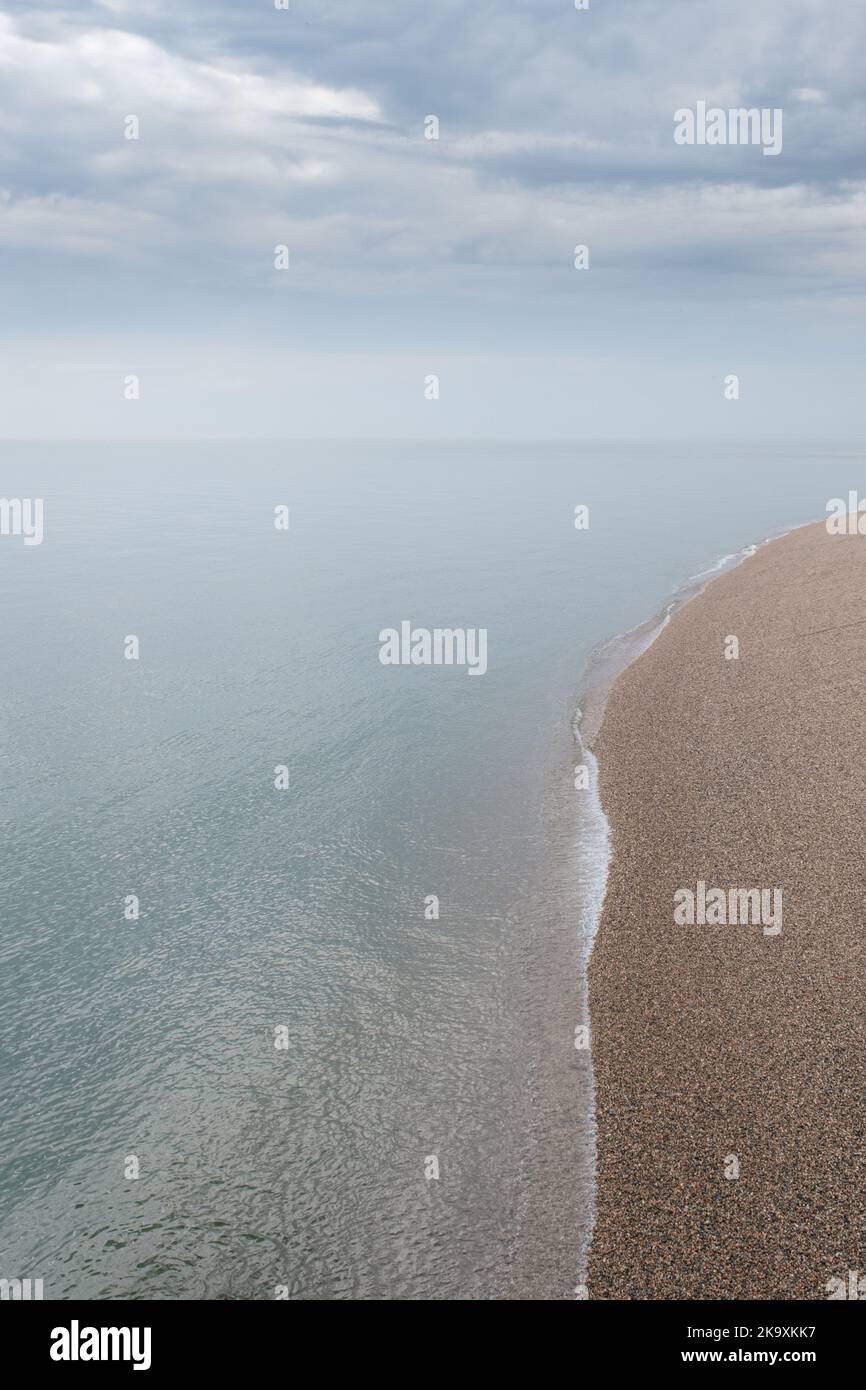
[[594, 851], [614, 656], [668, 1223]]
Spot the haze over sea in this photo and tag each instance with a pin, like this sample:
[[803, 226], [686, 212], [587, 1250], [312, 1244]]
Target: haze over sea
[[407, 1038]]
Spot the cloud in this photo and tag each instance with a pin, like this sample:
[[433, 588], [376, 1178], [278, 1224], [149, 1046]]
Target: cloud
[[261, 127]]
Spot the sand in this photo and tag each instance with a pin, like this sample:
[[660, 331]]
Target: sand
[[713, 1043]]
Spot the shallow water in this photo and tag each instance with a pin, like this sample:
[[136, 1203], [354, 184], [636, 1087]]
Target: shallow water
[[407, 1037]]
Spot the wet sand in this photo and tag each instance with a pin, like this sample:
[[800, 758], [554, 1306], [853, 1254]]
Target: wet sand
[[719, 1048]]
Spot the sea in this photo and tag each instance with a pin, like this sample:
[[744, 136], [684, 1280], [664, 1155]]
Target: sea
[[292, 941]]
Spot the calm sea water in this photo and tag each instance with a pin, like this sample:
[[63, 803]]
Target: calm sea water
[[407, 1038]]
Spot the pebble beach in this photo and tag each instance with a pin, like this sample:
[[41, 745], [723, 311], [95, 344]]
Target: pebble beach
[[729, 1060]]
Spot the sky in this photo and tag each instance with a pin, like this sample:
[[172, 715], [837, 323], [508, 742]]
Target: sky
[[409, 257]]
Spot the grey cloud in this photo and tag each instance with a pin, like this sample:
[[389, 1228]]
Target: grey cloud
[[261, 127]]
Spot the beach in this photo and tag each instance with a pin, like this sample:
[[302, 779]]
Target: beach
[[730, 1057], [303, 909]]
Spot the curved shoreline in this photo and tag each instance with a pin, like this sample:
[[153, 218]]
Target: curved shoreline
[[614, 656], [607, 664], [729, 1063]]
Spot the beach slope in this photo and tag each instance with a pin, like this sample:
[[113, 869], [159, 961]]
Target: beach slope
[[729, 1060]]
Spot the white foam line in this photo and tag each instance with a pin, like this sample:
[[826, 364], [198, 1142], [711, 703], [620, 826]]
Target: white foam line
[[596, 851]]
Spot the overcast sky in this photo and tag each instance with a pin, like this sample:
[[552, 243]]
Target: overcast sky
[[408, 256]]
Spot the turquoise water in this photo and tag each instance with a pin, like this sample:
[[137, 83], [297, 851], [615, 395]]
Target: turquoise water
[[304, 1168]]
